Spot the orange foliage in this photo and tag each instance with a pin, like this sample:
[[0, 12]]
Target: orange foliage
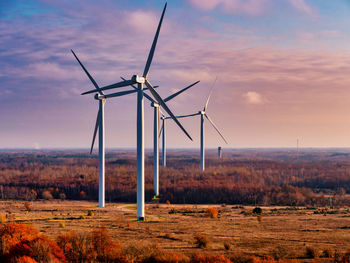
[[41, 249], [211, 212], [27, 206], [104, 246], [76, 247], [22, 243], [97, 245], [210, 259], [13, 233], [26, 259], [266, 259]]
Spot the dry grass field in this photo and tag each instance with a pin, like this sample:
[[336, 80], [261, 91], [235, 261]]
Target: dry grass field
[[284, 232]]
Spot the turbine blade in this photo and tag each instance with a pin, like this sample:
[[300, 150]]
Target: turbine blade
[[211, 90], [131, 85], [149, 98], [165, 107], [95, 131], [185, 116], [179, 92], [215, 127], [88, 74], [151, 52], [113, 86], [144, 94], [118, 94], [160, 131]]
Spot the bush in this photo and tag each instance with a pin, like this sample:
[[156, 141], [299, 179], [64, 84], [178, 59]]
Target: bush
[[41, 249], [280, 252], [210, 259], [201, 240], [227, 245], [27, 206], [346, 257], [62, 196], [22, 243], [259, 218], [25, 259], [211, 212], [105, 248], [90, 213], [328, 253], [47, 195], [76, 247], [311, 252], [90, 247], [257, 210], [62, 225]]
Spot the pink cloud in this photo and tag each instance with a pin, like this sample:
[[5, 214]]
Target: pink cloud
[[250, 7], [302, 6]]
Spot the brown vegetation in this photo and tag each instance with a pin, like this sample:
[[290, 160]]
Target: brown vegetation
[[23, 243], [245, 177]]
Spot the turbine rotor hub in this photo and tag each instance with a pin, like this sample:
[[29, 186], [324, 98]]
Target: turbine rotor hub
[[138, 79], [100, 97]]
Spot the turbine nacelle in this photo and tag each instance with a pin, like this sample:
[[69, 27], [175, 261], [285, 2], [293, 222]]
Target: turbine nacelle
[[202, 112], [154, 104], [138, 79], [100, 97]]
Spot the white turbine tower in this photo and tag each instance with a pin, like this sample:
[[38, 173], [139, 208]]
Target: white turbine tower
[[156, 133], [101, 133], [156, 139], [140, 119], [202, 113]]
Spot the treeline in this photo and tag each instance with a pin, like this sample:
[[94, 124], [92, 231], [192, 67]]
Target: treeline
[[246, 178]]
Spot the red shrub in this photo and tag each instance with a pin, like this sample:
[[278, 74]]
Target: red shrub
[[13, 233], [41, 249], [211, 212], [22, 243], [25, 259], [105, 248], [210, 259], [76, 247]]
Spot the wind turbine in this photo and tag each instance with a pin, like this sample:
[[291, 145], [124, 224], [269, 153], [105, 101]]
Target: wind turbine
[[156, 133], [101, 97], [202, 113], [140, 81], [156, 138]]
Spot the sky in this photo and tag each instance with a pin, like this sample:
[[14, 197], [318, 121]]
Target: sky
[[282, 68]]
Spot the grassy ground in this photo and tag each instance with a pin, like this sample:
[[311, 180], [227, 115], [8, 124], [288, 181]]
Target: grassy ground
[[285, 231]]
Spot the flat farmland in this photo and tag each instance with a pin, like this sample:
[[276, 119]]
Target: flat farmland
[[280, 230]]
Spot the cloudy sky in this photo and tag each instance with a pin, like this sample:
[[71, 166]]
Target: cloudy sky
[[283, 69]]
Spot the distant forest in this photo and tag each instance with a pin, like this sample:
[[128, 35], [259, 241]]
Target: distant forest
[[254, 177]]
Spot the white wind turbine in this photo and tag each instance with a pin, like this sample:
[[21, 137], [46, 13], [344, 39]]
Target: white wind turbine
[[135, 79], [157, 112], [203, 114], [101, 97]]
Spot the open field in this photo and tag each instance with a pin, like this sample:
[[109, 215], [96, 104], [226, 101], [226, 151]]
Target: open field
[[282, 231]]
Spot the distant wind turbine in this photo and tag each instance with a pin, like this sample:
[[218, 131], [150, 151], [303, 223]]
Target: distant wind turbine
[[202, 113]]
